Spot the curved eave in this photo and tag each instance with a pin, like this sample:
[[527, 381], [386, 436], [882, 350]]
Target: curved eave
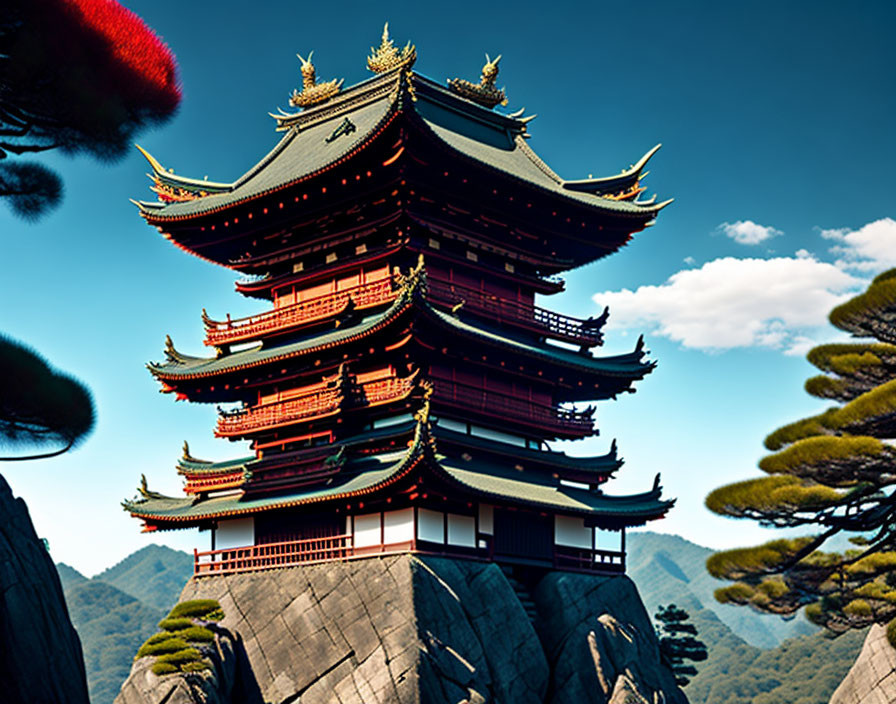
[[258, 356], [599, 465], [192, 467], [633, 510], [613, 184], [629, 365], [169, 178], [160, 510], [304, 155], [516, 160]]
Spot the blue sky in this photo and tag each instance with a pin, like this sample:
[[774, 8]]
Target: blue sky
[[776, 121]]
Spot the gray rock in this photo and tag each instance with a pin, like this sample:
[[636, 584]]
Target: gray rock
[[600, 643], [40, 653], [872, 678], [413, 629]]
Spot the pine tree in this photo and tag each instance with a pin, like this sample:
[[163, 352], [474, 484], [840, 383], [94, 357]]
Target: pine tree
[[679, 645], [78, 76], [39, 406], [831, 474]]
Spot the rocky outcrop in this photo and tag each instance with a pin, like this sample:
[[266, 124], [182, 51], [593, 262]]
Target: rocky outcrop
[[600, 643], [872, 678], [40, 654], [411, 629]]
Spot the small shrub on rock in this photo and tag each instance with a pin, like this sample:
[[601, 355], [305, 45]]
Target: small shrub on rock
[[197, 666], [171, 644], [163, 668], [181, 657], [208, 609], [175, 624], [196, 634]]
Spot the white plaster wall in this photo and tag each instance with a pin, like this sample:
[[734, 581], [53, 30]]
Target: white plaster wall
[[461, 530], [430, 525], [398, 526], [367, 530], [235, 533], [571, 532]]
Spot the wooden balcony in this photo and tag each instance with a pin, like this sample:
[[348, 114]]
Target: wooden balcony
[[589, 560], [312, 406], [548, 419], [272, 415], [237, 330], [503, 311], [256, 558]]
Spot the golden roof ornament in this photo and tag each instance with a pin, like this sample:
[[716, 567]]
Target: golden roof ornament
[[387, 56], [484, 93], [313, 92]]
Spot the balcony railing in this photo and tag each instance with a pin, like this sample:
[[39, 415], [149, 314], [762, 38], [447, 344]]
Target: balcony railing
[[242, 329], [235, 423], [272, 555], [563, 421], [539, 320], [591, 560], [292, 553], [310, 406]]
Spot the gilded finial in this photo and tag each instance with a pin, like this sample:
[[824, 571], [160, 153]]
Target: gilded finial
[[145, 491], [484, 92], [313, 92], [387, 56], [186, 450]]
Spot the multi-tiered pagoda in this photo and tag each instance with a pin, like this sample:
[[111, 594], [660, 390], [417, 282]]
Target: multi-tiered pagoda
[[400, 390]]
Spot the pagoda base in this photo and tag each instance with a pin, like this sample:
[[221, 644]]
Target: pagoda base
[[408, 628]]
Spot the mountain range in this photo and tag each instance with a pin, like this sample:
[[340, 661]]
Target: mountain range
[[754, 659]]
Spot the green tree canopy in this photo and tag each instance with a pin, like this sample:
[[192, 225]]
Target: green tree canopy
[[79, 76], [830, 474], [40, 406]]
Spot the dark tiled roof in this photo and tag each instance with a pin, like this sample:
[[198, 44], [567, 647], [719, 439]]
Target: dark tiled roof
[[310, 147]]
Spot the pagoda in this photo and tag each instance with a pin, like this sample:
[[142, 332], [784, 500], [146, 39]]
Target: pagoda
[[399, 392]]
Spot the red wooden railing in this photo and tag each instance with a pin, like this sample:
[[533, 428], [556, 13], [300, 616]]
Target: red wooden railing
[[272, 555], [241, 329], [232, 423], [253, 558], [497, 404], [539, 320], [309, 406]]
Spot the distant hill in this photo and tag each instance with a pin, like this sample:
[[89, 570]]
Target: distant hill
[[804, 669], [118, 609], [69, 576], [155, 575], [669, 569]]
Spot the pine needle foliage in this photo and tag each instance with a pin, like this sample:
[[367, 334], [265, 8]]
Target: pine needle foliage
[[831, 474], [679, 645], [184, 644]]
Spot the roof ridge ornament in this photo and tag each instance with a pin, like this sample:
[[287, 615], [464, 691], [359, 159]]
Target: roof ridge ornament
[[313, 92], [387, 56], [484, 93]]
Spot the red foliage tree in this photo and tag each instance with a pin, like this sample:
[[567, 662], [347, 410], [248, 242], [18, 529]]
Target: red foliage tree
[[79, 76]]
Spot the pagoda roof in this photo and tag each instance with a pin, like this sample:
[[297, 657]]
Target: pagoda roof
[[321, 137], [365, 475], [190, 466], [600, 464], [181, 366]]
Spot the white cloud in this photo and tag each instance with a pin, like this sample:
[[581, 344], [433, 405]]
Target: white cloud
[[871, 248], [690, 261], [726, 303], [748, 232]]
